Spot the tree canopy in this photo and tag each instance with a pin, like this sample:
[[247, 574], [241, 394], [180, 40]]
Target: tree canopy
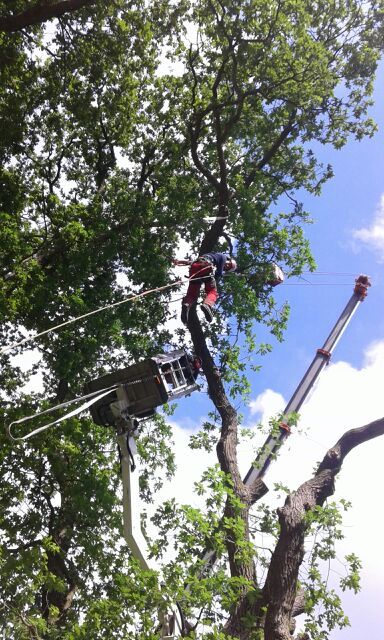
[[110, 160]]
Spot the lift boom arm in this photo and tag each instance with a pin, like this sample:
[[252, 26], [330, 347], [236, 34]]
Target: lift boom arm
[[322, 357], [274, 441]]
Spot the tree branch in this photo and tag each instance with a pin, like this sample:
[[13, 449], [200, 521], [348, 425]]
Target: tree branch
[[351, 439], [41, 13], [240, 565], [280, 589], [268, 155]]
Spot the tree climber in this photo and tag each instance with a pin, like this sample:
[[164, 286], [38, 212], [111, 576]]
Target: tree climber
[[201, 271]]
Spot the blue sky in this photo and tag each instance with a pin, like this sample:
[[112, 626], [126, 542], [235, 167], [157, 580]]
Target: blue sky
[[347, 237], [349, 202]]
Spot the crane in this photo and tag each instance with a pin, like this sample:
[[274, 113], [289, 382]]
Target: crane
[[138, 390], [322, 356]]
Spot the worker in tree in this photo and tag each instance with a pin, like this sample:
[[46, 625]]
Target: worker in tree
[[201, 271]]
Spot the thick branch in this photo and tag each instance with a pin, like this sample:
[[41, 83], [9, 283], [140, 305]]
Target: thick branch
[[41, 13], [194, 136], [299, 604], [220, 186], [212, 235], [350, 440], [61, 526], [226, 448], [227, 456], [281, 584]]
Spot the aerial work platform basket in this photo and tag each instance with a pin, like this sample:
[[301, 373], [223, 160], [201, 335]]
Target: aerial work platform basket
[[147, 385]]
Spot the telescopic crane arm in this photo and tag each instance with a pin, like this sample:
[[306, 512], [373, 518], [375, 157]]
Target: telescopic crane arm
[[168, 616], [322, 357], [274, 441]]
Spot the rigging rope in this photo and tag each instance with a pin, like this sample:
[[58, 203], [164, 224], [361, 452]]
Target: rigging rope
[[95, 396], [155, 290], [90, 313]]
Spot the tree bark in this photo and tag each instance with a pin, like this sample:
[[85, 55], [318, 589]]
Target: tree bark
[[280, 589], [227, 456], [41, 13]]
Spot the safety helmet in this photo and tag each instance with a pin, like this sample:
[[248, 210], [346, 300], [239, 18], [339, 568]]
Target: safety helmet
[[230, 265]]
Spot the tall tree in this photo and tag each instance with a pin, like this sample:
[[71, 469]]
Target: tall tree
[[106, 163]]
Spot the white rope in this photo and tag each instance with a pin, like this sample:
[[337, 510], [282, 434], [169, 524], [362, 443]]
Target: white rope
[[99, 394], [90, 313]]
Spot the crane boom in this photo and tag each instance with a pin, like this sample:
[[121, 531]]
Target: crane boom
[[322, 357], [274, 441]]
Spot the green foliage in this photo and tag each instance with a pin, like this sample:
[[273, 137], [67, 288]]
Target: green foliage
[[206, 438], [106, 162], [154, 445], [352, 580], [323, 604], [331, 613]]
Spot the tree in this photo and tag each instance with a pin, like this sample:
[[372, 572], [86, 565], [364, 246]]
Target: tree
[[105, 164]]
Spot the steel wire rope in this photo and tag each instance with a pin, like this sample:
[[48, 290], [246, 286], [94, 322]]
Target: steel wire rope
[[329, 273], [315, 284]]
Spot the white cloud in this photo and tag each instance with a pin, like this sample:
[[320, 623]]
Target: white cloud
[[190, 466], [268, 404], [374, 355], [373, 236]]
